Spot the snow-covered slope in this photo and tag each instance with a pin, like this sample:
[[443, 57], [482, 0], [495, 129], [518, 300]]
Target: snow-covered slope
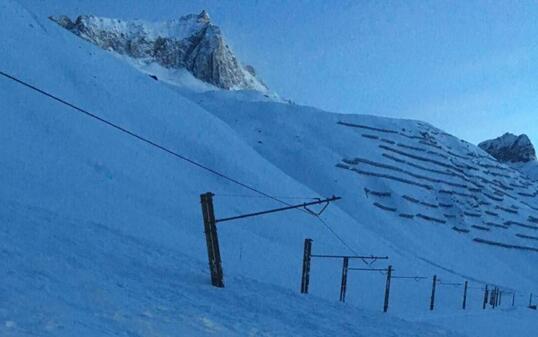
[[191, 42], [101, 234], [529, 168]]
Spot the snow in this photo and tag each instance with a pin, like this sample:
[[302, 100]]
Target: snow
[[178, 29], [181, 78], [102, 234], [191, 42], [529, 168], [81, 278]]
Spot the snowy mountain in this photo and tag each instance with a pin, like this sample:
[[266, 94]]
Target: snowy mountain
[[516, 151], [191, 42], [102, 233], [510, 148]]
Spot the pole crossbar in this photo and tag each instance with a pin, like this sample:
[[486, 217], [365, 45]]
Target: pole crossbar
[[351, 257], [306, 204], [410, 277], [370, 269], [449, 283]]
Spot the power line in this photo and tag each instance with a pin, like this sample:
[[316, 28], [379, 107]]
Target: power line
[[338, 237], [141, 138], [416, 278], [274, 210], [167, 150], [192, 162], [249, 196]]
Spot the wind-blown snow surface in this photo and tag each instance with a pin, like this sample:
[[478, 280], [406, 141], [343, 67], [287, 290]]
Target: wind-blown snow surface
[[102, 234], [529, 168]]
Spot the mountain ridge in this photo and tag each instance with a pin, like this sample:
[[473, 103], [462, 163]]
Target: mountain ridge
[[103, 234], [515, 151], [510, 148], [191, 42]]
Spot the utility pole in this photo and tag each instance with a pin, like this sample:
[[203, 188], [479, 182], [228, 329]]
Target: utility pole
[[485, 302], [345, 267], [305, 277], [210, 230], [432, 299], [212, 240], [493, 298], [343, 285], [387, 289], [513, 298], [465, 295]]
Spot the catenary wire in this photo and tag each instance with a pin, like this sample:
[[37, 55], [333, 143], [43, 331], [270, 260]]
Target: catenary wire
[[167, 150]]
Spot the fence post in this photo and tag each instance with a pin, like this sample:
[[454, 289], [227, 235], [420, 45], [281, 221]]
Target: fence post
[[492, 297], [344, 279], [500, 297], [513, 298], [432, 299], [212, 240], [305, 277], [530, 301], [485, 298], [465, 295], [387, 289]]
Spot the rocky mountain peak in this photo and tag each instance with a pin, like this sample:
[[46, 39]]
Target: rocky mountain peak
[[191, 42], [510, 148], [204, 16]]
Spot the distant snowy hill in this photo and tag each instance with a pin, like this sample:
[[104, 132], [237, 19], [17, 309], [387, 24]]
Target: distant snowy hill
[[191, 42], [516, 151], [101, 234]]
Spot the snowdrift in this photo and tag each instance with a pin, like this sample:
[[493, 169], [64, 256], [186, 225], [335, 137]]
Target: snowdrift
[[102, 234]]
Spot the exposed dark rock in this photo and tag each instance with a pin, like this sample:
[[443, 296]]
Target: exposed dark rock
[[191, 42], [510, 148]]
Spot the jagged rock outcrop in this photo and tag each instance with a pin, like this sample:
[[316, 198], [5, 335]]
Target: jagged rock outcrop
[[191, 42], [510, 148]]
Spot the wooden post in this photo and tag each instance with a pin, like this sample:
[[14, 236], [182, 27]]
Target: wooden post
[[343, 285], [465, 295], [485, 298], [305, 277], [432, 299], [530, 301], [387, 289], [500, 297], [212, 240], [513, 298], [492, 297]]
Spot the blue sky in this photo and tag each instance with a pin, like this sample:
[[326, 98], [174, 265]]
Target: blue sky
[[469, 67]]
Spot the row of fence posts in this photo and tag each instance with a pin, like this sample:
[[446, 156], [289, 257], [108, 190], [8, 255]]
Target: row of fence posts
[[215, 264], [307, 258], [492, 296]]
